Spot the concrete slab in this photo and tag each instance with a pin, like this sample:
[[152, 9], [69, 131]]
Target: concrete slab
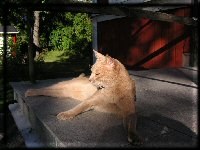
[[191, 73], [178, 76], [166, 105], [169, 94], [90, 129], [171, 139], [30, 136], [158, 134]]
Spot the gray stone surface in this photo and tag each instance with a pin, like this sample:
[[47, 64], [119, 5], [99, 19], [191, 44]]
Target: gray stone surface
[[167, 99], [190, 72], [166, 105], [167, 93], [90, 129]]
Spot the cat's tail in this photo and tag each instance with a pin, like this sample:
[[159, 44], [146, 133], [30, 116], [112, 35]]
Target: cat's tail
[[130, 123]]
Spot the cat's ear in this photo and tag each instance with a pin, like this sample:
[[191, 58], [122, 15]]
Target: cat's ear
[[110, 62], [98, 55]]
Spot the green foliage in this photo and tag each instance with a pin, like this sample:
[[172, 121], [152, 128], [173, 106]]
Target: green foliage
[[75, 36], [15, 56], [70, 33], [55, 56]]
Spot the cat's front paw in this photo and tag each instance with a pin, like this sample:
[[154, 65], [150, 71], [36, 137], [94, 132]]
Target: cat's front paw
[[64, 116]]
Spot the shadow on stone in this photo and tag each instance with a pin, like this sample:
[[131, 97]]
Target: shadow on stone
[[120, 136], [160, 131]]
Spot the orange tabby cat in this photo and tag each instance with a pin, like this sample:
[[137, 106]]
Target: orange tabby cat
[[109, 88]]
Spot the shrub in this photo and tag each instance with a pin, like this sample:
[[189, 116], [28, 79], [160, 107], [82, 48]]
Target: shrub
[[75, 36]]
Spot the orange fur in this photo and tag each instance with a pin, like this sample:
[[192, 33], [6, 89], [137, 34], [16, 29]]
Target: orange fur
[[109, 88]]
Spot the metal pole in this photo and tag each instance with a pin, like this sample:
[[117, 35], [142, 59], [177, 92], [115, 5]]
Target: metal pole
[[30, 47], [5, 12]]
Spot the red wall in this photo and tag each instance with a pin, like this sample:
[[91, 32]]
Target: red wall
[[131, 40]]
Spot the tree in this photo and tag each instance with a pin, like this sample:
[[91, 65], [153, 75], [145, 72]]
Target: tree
[[36, 28], [36, 35], [73, 34]]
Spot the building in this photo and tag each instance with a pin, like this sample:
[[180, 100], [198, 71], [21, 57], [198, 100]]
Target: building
[[140, 42], [11, 33]]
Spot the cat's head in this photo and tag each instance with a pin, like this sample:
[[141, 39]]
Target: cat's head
[[104, 71]]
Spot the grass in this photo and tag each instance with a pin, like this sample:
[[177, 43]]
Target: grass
[[55, 56]]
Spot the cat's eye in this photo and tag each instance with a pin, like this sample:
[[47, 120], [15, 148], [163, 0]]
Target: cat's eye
[[97, 74]]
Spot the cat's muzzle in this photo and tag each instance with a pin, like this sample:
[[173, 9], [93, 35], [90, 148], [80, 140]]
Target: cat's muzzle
[[100, 87]]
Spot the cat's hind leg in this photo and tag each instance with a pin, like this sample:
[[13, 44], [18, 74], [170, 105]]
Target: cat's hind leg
[[46, 92]]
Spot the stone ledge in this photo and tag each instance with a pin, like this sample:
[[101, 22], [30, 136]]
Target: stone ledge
[[90, 129], [166, 105]]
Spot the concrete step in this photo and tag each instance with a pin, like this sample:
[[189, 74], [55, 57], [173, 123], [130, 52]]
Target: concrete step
[[166, 105], [90, 129], [191, 73], [30, 136]]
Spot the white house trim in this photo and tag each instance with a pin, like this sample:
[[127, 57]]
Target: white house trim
[[9, 32]]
